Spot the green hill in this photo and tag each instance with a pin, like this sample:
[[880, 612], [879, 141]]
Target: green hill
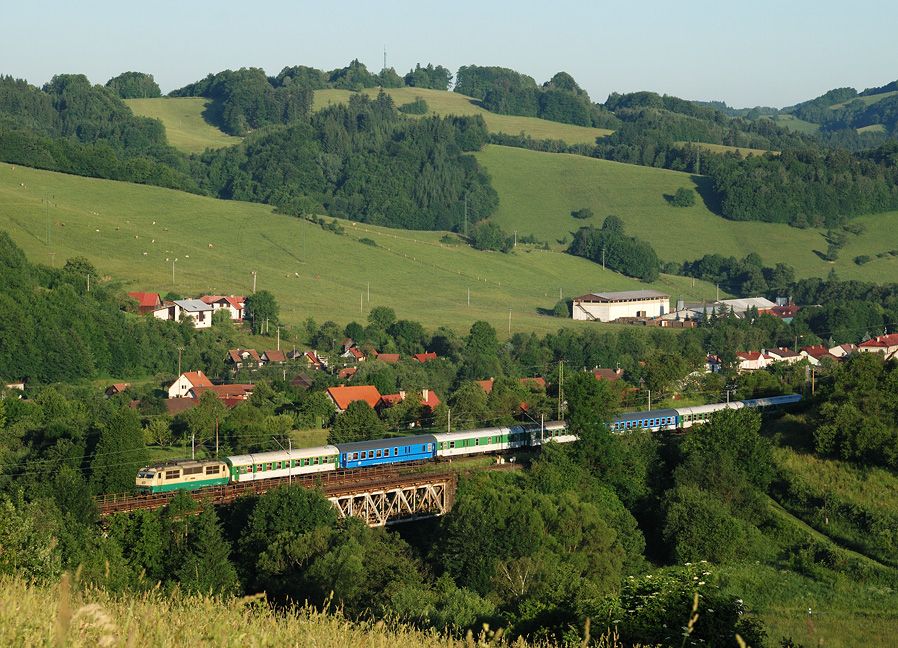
[[538, 191], [183, 120], [133, 232], [440, 102]]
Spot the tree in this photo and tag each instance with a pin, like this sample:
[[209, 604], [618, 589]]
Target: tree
[[134, 85], [158, 431], [119, 453], [582, 214], [381, 317], [202, 418], [205, 567], [262, 310], [357, 423], [469, 406], [683, 198], [481, 353], [489, 236]]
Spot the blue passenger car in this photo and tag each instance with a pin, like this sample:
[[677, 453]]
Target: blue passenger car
[[378, 452], [660, 419]]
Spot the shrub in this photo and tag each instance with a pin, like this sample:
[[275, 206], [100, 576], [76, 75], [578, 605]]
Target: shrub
[[683, 198], [416, 107], [582, 214]]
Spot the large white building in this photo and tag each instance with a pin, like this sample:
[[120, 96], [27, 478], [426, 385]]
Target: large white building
[[609, 306]]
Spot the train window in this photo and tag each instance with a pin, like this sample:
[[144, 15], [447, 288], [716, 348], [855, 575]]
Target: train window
[[211, 470], [377, 454], [172, 474], [477, 442]]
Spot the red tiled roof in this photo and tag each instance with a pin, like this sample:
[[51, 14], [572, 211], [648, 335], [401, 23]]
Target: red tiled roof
[[816, 351], [425, 357], [430, 399], [236, 355], [117, 388], [197, 378], [356, 353], [537, 382], [347, 372], [275, 356], [486, 385], [237, 391], [145, 299], [601, 373], [392, 399], [389, 358], [343, 396], [789, 310], [783, 352], [880, 341], [313, 357], [749, 355], [177, 405]]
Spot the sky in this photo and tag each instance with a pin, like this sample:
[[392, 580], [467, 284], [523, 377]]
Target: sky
[[747, 54]]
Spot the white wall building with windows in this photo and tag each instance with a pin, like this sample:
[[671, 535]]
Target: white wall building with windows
[[609, 306]]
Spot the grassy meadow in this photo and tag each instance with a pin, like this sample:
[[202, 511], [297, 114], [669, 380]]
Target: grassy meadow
[[744, 151], [538, 191], [440, 102], [184, 124], [868, 100], [794, 123], [137, 233]]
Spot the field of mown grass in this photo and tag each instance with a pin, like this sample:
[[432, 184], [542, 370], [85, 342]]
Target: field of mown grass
[[868, 100], [538, 191], [451, 103], [723, 148], [134, 232], [184, 124], [796, 124]]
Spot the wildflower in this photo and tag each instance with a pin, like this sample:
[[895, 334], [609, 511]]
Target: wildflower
[[701, 582]]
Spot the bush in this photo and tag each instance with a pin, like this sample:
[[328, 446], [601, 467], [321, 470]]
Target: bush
[[368, 241], [683, 198], [562, 309], [862, 259], [489, 236], [582, 214], [416, 107]]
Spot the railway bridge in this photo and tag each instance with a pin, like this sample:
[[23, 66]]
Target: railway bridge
[[379, 496]]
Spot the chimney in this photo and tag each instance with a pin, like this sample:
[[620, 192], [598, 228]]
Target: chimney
[[401, 394], [425, 395]]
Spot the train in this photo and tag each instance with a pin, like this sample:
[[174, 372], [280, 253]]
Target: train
[[189, 474]]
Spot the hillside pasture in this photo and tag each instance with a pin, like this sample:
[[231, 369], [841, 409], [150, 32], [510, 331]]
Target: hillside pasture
[[794, 123], [138, 234], [868, 100], [440, 102], [185, 127], [744, 151], [538, 192]]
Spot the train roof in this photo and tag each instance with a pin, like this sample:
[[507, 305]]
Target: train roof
[[712, 407], [639, 416], [470, 434], [281, 455], [181, 463], [377, 444], [772, 400]]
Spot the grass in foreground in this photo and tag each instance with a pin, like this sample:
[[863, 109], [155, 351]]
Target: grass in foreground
[[40, 616], [538, 191], [185, 127], [138, 234], [452, 103]]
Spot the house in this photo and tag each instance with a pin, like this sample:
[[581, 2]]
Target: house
[[302, 381], [18, 385], [116, 388], [347, 372], [348, 343], [843, 350], [537, 383], [612, 375], [274, 357], [343, 396], [425, 357], [427, 397], [784, 354], [295, 355], [751, 360], [389, 358], [609, 306], [486, 385], [174, 406], [186, 382], [234, 305], [168, 311], [712, 363], [197, 310], [244, 358], [315, 361], [785, 312], [146, 302], [354, 354], [816, 354], [885, 344], [231, 394]]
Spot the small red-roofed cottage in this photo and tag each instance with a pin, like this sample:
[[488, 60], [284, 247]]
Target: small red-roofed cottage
[[843, 350], [784, 354], [315, 361], [116, 388], [146, 302], [274, 357], [347, 372], [232, 304], [885, 344], [389, 358], [186, 382], [227, 393], [537, 383], [343, 396], [816, 354], [244, 358], [354, 354], [612, 375], [486, 385], [425, 357]]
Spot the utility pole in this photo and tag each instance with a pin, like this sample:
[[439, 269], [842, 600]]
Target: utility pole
[[560, 388], [542, 428], [193, 445], [279, 337], [448, 420], [603, 257], [290, 461], [717, 286], [254, 282], [179, 360], [466, 215], [361, 301], [47, 210], [368, 288], [515, 238], [813, 375], [173, 272], [469, 296], [509, 320], [88, 283], [216, 437], [650, 399]]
